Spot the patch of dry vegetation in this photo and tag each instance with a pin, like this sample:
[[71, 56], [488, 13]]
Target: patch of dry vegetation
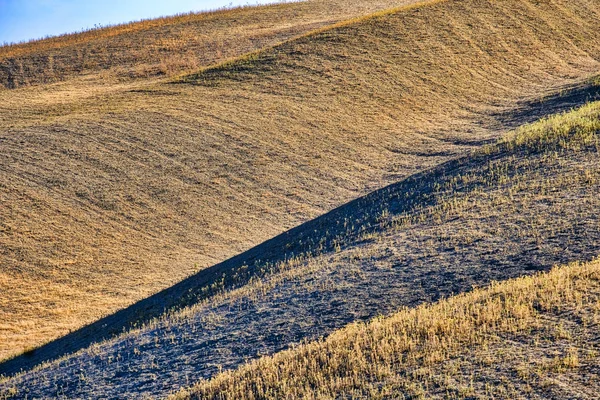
[[462, 224], [169, 45], [532, 337], [144, 183]]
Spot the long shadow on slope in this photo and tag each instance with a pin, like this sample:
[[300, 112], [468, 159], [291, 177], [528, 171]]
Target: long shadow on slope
[[564, 100], [319, 235], [300, 240]]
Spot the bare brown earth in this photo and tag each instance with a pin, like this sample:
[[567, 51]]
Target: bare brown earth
[[112, 191]]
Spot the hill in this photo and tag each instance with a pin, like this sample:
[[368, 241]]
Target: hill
[[168, 45], [510, 209], [146, 182], [532, 337]]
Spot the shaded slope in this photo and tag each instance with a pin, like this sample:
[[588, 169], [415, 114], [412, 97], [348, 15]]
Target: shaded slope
[[533, 337], [462, 224], [172, 44], [137, 182]]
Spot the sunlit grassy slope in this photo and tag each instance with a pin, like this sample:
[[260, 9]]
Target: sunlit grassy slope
[[531, 337], [172, 44], [145, 182], [510, 209]]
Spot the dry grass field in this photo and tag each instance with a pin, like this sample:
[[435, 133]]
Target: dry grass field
[[169, 45], [533, 337], [510, 209], [530, 338], [144, 182]]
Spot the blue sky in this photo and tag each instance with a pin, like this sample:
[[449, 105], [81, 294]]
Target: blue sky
[[22, 20]]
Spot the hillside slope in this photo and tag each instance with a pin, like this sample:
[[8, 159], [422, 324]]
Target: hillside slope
[[529, 338], [146, 182], [165, 46], [532, 337], [514, 208]]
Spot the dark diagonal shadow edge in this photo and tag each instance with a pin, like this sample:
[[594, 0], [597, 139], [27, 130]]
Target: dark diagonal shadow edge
[[302, 240]]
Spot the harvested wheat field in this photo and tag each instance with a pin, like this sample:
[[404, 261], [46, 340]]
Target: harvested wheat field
[[532, 337], [466, 223], [145, 183], [169, 45], [183, 195]]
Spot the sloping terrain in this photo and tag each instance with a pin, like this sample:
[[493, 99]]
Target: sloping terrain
[[534, 337], [52, 263], [514, 208], [143, 183], [165, 46], [529, 338]]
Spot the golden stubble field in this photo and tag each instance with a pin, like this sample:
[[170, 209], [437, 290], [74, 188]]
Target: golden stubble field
[[113, 187], [169, 45], [529, 337]]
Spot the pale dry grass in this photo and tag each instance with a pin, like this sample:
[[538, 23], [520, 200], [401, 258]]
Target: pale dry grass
[[508, 209], [532, 337], [144, 183], [169, 45]]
